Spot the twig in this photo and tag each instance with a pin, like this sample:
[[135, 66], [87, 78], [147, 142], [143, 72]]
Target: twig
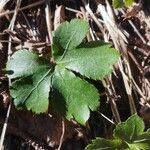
[[62, 135], [2, 4], [73, 10], [88, 9], [34, 38], [4, 127], [7, 12], [7, 41], [109, 88], [111, 97], [109, 120], [135, 29], [11, 26], [119, 41], [48, 20]]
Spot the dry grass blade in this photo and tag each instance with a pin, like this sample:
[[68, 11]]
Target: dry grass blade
[[111, 94], [62, 135], [11, 26], [89, 11], [48, 20], [2, 4], [119, 41], [135, 29], [59, 16], [7, 12], [31, 25], [4, 128]]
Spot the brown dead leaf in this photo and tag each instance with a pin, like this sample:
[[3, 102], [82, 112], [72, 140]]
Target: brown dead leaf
[[133, 11], [6, 98]]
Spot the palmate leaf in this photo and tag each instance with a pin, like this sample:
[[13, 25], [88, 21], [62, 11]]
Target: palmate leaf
[[93, 60], [31, 90], [33, 77], [79, 95]]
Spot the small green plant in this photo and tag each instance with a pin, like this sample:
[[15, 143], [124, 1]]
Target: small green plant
[[121, 3], [60, 82], [128, 135]]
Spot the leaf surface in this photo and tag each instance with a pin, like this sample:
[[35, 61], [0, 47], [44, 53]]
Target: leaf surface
[[80, 96], [130, 129], [31, 89], [24, 63], [129, 2], [69, 35], [118, 3], [94, 60], [103, 144], [142, 142], [33, 76]]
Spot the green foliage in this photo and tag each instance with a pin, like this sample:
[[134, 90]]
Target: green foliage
[[121, 3], [118, 3], [129, 130], [33, 77], [31, 88], [128, 135], [128, 3], [103, 144], [74, 91], [93, 60], [69, 35]]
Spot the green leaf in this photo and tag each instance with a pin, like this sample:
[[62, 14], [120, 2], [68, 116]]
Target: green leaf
[[93, 60], [142, 142], [130, 129], [103, 144], [80, 96], [128, 2], [24, 63], [118, 3], [128, 135], [31, 94], [148, 130], [33, 76], [69, 35], [121, 3], [32, 90]]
